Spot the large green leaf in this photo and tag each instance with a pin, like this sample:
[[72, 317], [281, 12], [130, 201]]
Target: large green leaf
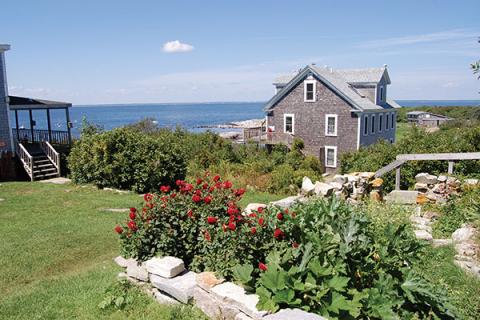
[[338, 283], [243, 273], [273, 279]]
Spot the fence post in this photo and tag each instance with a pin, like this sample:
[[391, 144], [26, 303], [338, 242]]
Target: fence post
[[397, 178], [450, 167]]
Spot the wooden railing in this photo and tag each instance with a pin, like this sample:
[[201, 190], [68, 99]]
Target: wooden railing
[[402, 158], [261, 136], [52, 154], [26, 159], [54, 136]]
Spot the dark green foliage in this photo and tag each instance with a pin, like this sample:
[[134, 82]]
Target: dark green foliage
[[417, 140], [126, 159], [457, 113]]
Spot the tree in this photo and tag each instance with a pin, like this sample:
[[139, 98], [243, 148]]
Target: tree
[[476, 65]]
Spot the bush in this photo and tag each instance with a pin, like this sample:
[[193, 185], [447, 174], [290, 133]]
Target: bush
[[126, 159], [202, 224]]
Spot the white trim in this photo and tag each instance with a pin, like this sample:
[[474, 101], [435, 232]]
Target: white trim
[[335, 132], [266, 124], [380, 122], [359, 128], [285, 115], [372, 124], [314, 82], [334, 156], [376, 96], [365, 125]]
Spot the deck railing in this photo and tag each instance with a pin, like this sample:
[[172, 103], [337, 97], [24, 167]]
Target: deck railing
[[26, 159], [261, 136], [52, 154], [54, 136]]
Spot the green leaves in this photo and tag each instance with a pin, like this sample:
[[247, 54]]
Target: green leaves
[[273, 279], [243, 273]]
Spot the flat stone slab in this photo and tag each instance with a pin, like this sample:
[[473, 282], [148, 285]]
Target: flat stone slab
[[180, 287], [116, 210], [324, 189], [137, 271], [290, 314], [464, 233], [242, 316], [426, 178], [213, 308], [235, 295], [59, 180], [163, 298], [441, 242], [287, 202], [402, 197], [122, 262], [423, 235], [207, 280], [166, 267]]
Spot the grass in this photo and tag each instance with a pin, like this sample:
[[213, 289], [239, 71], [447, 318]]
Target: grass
[[56, 254], [402, 130], [259, 197]]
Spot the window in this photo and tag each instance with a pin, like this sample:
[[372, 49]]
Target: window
[[289, 123], [331, 125], [309, 89], [380, 123], [381, 93], [330, 157], [365, 125], [373, 123], [393, 121], [387, 122]]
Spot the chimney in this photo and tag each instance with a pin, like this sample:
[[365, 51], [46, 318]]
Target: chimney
[[6, 140]]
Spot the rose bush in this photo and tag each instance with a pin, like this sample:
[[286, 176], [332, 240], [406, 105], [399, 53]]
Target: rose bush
[[202, 224]]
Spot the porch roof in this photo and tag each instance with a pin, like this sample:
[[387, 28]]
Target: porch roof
[[23, 103]]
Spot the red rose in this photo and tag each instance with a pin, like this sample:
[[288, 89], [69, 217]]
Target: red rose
[[133, 210], [232, 226], [118, 229], [179, 183], [132, 215], [211, 189], [227, 184], [253, 230], [279, 216], [190, 213], [173, 195], [196, 198], [199, 181], [132, 225], [198, 192], [148, 197], [278, 234], [252, 215], [207, 199], [165, 189], [205, 186], [188, 187], [211, 220], [239, 192], [216, 178], [295, 245], [262, 266], [232, 210], [260, 210], [261, 221], [232, 218], [286, 211]]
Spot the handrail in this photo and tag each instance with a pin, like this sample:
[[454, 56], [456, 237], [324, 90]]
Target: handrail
[[52, 154], [54, 136], [26, 159]]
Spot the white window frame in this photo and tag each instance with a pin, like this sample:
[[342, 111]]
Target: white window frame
[[334, 148], [372, 124], [285, 115], [365, 125], [334, 134], [380, 122], [314, 82]]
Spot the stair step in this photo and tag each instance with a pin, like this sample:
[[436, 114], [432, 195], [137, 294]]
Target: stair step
[[41, 161], [36, 166], [36, 176], [46, 170]]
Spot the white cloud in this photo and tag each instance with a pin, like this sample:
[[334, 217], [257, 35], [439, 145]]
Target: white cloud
[[421, 38], [176, 46]]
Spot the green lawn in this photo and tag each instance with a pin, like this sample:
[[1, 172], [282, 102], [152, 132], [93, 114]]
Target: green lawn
[[56, 254], [402, 129]]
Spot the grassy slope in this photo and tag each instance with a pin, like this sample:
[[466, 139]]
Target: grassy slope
[[56, 254]]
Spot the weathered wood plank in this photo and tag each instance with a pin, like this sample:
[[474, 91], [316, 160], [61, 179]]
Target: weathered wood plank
[[393, 165], [440, 156]]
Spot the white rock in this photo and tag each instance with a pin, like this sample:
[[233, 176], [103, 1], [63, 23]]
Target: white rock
[[336, 186], [441, 242], [463, 234], [137, 271], [402, 197], [122, 262], [423, 235], [353, 179], [466, 249], [471, 182], [254, 207], [163, 298], [420, 220], [426, 178], [242, 316], [421, 186], [307, 186], [442, 178], [293, 314], [422, 227], [323, 189], [287, 202], [338, 178], [167, 267], [213, 308], [230, 293], [180, 287]]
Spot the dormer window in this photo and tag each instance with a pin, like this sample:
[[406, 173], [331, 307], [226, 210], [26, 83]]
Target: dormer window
[[309, 90], [381, 94]]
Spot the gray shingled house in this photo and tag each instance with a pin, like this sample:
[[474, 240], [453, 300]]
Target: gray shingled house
[[426, 119], [332, 111]]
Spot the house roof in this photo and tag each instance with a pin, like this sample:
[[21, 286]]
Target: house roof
[[16, 102], [416, 113], [336, 81]]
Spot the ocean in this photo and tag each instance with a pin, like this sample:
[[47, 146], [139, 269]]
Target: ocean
[[191, 116]]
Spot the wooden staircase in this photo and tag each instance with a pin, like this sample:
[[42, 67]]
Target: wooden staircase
[[40, 160]]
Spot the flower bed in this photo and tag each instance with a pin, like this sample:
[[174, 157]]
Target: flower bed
[[321, 256]]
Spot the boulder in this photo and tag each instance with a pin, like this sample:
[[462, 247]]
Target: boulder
[[352, 178], [207, 280], [366, 175], [307, 186], [287, 202], [426, 178], [340, 179], [235, 296], [423, 235], [421, 199], [291, 314], [254, 207], [439, 188], [122, 262], [463, 234], [376, 196], [336, 186], [420, 220], [180, 287], [441, 242], [242, 316], [402, 197], [377, 183], [442, 178], [137, 271], [423, 187], [166, 267], [163, 298], [323, 189], [213, 308], [466, 249]]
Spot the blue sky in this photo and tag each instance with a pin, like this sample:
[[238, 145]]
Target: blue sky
[[119, 51]]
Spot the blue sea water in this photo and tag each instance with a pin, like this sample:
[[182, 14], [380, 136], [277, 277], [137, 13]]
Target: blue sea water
[[189, 115]]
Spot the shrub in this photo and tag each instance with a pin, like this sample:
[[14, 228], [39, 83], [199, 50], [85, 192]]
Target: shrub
[[202, 224], [126, 159]]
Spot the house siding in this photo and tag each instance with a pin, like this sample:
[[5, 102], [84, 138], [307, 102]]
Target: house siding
[[371, 138], [310, 120], [5, 128]]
